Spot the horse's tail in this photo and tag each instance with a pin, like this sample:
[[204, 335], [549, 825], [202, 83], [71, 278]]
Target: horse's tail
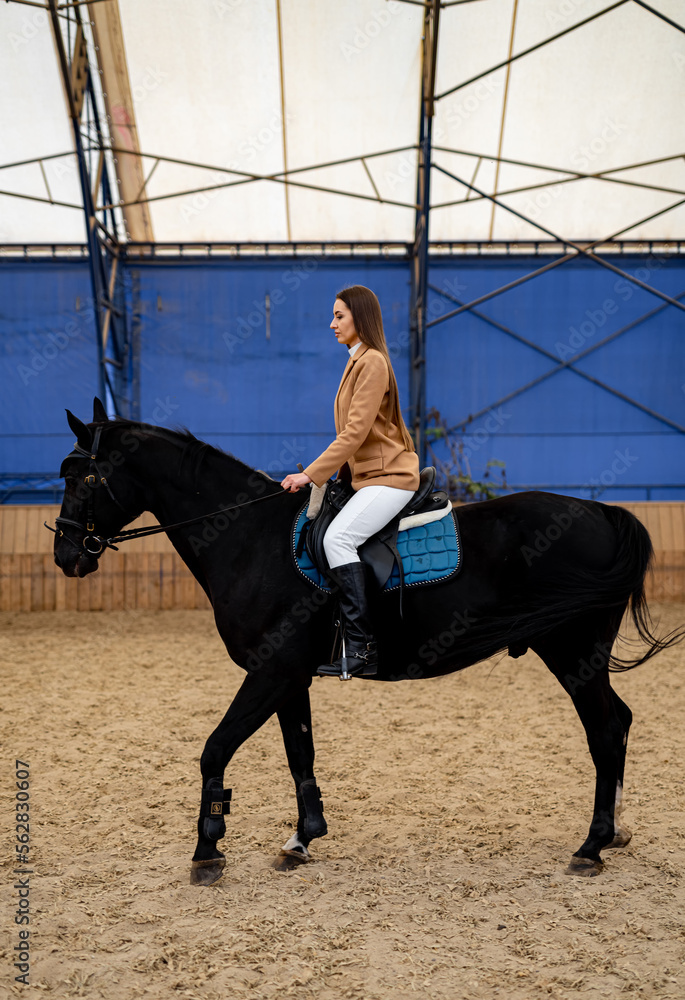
[[634, 555]]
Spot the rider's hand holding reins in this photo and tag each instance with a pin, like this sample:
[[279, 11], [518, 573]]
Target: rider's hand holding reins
[[295, 481]]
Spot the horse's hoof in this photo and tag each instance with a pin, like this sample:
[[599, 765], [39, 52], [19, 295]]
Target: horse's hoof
[[207, 872], [586, 867], [621, 839], [287, 860]]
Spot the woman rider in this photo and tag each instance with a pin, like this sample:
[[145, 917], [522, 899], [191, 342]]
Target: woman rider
[[373, 451]]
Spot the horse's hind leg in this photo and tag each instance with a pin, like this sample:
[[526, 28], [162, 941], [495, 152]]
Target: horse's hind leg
[[579, 661], [296, 726], [260, 695], [622, 834]]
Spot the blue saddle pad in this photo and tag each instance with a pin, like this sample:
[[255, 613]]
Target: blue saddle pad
[[430, 553]]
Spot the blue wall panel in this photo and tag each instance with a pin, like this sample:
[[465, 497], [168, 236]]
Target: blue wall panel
[[48, 360], [564, 431], [202, 359], [206, 356]]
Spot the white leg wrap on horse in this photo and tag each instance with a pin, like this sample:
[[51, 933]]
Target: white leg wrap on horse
[[295, 844], [618, 806]]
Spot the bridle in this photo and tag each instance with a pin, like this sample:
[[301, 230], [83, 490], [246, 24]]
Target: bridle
[[91, 543], [94, 544]]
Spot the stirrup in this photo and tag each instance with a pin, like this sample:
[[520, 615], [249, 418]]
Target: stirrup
[[346, 667]]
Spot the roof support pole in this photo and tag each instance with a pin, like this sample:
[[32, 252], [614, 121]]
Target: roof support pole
[[109, 320], [111, 57], [94, 258], [419, 251]]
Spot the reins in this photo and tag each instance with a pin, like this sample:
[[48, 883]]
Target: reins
[[125, 536], [93, 544]]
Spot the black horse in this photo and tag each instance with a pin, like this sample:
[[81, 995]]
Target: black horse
[[542, 571]]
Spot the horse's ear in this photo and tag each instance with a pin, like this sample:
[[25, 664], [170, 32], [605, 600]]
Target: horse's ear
[[83, 435], [99, 411]]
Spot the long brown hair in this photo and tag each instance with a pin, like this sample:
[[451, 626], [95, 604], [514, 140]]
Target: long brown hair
[[368, 322]]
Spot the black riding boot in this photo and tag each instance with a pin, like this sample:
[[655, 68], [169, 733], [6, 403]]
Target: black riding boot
[[361, 657]]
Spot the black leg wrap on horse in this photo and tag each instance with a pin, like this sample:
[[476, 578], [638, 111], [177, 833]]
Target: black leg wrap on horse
[[309, 800], [216, 803]]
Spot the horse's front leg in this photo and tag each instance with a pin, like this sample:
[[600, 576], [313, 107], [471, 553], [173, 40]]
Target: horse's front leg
[[296, 726], [260, 695]]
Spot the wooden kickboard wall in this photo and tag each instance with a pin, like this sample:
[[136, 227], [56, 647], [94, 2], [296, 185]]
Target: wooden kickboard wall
[[144, 573], [147, 573]]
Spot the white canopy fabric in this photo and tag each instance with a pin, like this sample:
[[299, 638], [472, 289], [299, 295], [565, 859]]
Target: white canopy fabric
[[244, 87]]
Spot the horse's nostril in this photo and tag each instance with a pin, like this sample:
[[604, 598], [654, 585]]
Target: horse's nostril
[[58, 561]]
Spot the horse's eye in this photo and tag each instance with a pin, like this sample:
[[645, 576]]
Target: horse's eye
[[70, 482]]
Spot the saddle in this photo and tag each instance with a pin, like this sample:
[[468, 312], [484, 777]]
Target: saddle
[[379, 552]]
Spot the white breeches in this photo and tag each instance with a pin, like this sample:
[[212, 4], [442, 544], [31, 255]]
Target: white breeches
[[367, 512]]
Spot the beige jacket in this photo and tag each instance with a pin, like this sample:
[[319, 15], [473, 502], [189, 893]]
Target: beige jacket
[[367, 441]]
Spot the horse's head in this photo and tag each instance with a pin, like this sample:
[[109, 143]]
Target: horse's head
[[96, 504]]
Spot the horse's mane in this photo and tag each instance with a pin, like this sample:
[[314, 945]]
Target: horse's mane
[[193, 448]]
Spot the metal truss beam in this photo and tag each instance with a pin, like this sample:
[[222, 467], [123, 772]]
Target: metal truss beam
[[585, 252], [277, 180], [281, 177], [556, 183], [37, 198], [532, 48], [138, 200], [569, 364], [381, 250], [59, 7], [559, 170], [547, 267], [573, 175], [657, 13]]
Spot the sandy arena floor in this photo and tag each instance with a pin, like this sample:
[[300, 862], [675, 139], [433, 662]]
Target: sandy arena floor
[[453, 806]]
